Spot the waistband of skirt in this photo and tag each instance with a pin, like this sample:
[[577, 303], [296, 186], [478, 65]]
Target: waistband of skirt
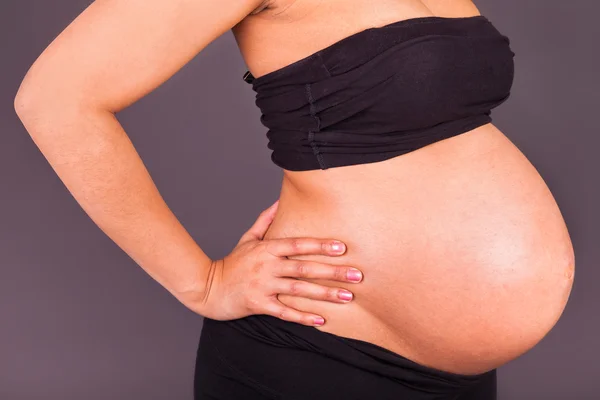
[[357, 353]]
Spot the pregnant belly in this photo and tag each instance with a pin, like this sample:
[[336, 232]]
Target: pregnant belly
[[466, 258]]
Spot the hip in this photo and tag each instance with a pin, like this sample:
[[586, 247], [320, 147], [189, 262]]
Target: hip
[[466, 258], [262, 357]]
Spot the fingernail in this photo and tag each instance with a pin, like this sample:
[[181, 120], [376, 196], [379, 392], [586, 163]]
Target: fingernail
[[354, 275], [319, 321], [338, 247], [345, 295]]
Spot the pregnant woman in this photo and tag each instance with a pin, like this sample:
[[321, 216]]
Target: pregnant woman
[[378, 112]]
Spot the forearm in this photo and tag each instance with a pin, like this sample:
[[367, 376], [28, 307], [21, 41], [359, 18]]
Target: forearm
[[95, 159]]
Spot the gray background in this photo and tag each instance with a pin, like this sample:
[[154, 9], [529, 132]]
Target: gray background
[[80, 320]]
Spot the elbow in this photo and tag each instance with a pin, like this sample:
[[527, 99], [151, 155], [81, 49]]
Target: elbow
[[32, 112], [23, 103], [44, 95], [35, 92], [39, 102], [28, 96], [30, 103]]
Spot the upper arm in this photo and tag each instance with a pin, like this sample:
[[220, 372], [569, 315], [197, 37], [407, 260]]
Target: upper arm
[[117, 51]]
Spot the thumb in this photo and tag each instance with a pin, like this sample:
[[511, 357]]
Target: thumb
[[259, 228]]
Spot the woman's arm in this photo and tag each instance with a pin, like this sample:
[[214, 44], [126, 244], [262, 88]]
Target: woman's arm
[[111, 55]]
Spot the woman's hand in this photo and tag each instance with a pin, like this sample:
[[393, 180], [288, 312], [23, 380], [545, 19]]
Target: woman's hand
[[248, 280]]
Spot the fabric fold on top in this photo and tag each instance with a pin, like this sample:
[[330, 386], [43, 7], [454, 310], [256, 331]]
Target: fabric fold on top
[[403, 86]]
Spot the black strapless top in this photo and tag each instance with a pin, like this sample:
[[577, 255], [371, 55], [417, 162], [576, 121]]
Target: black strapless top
[[384, 91]]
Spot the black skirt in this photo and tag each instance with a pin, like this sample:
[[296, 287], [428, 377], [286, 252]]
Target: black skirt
[[263, 357]]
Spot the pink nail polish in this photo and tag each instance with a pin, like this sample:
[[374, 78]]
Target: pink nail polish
[[319, 321], [354, 275], [345, 295], [338, 247]]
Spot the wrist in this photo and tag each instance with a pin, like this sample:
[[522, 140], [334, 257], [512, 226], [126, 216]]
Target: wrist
[[197, 293]]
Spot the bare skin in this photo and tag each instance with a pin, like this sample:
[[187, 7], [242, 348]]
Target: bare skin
[[467, 259], [112, 54]]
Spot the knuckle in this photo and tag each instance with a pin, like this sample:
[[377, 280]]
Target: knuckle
[[282, 313], [339, 273], [295, 287], [325, 247], [256, 250], [258, 267], [253, 284], [295, 244], [262, 246], [252, 303], [302, 269], [331, 294]]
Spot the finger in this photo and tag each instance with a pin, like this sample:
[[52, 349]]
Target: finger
[[283, 247], [316, 270], [299, 288], [277, 309], [260, 226]]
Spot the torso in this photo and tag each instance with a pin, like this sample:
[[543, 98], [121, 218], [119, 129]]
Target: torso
[[466, 258]]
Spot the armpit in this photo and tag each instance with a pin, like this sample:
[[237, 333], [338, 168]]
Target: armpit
[[264, 5]]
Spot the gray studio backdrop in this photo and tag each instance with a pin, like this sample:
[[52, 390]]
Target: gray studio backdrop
[[80, 320]]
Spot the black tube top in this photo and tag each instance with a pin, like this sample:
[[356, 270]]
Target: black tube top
[[384, 91]]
